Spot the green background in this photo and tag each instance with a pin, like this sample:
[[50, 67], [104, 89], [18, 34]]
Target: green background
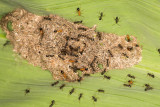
[[139, 18]]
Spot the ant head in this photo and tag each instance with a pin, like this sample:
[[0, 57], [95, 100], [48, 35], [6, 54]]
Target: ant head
[[78, 9]]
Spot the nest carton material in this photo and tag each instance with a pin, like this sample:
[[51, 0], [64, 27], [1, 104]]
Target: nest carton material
[[65, 48]]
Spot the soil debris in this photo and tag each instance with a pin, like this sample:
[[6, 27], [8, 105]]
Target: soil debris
[[55, 44]]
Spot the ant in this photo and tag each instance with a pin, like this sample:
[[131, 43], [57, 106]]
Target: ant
[[148, 88], [147, 85], [27, 91], [110, 53], [127, 85], [101, 15], [94, 98], [47, 18], [80, 96], [87, 75], [60, 57], [159, 50], [91, 65], [78, 22], [102, 73], [125, 55], [128, 38], [55, 83], [82, 69], [80, 79], [64, 75], [99, 35], [72, 61], [100, 90], [62, 86], [49, 55], [117, 19], [129, 48], [107, 77], [81, 28], [6, 43], [76, 39], [64, 52], [130, 82], [78, 11], [52, 103], [71, 91], [120, 46], [107, 62], [81, 35], [131, 76], [151, 75], [41, 32]]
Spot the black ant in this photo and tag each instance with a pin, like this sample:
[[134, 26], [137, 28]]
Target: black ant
[[129, 48], [100, 90], [80, 35], [151, 75], [148, 88], [81, 28], [6, 43], [78, 22], [55, 83], [80, 79], [120, 46], [147, 85], [91, 65], [99, 35], [80, 96], [71, 91], [76, 39], [102, 73], [87, 75], [52, 103], [94, 98], [27, 91], [107, 62], [110, 53], [117, 20], [62, 86], [47, 18], [60, 57], [127, 85], [159, 50], [64, 52], [107, 77], [101, 15], [125, 55], [49, 55], [131, 76]]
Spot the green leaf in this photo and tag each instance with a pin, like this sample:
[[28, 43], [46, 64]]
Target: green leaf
[[9, 26], [139, 18]]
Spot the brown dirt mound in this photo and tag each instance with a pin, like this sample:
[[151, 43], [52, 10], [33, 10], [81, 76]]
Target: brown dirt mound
[[65, 48]]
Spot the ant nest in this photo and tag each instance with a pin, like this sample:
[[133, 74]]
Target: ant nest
[[66, 49]]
